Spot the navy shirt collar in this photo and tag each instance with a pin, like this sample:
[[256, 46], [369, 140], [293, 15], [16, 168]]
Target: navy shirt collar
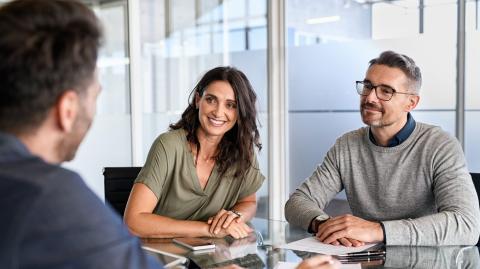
[[12, 147], [401, 136]]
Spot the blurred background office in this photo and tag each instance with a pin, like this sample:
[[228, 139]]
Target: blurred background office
[[302, 57]]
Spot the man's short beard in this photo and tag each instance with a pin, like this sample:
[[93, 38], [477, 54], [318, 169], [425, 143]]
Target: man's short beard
[[67, 148], [377, 124]]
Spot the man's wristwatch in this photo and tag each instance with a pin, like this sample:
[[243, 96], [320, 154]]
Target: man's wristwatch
[[317, 221]]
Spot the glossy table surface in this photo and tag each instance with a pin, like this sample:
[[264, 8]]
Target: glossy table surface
[[261, 250]]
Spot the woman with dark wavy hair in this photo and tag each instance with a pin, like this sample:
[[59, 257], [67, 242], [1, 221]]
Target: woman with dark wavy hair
[[200, 178]]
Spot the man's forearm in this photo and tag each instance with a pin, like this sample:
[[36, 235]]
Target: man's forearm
[[310, 198], [300, 211]]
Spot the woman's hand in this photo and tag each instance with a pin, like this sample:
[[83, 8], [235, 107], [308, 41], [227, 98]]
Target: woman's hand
[[235, 230], [238, 230], [222, 220]]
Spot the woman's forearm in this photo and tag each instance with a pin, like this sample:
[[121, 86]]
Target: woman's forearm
[[152, 225], [247, 209]]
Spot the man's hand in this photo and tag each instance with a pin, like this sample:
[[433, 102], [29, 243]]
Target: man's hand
[[348, 242], [349, 230]]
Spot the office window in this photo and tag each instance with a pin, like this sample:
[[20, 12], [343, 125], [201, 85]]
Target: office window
[[396, 19], [108, 143], [329, 45], [181, 40], [472, 86]]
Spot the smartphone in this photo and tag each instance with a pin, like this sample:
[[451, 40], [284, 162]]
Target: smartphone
[[195, 243]]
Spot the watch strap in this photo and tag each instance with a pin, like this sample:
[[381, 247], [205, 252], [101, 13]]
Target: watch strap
[[317, 221]]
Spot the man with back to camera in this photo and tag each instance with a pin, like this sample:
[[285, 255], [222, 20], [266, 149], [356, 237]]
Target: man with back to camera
[[406, 182], [48, 92]]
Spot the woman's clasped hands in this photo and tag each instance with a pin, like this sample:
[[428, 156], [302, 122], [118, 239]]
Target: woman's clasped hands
[[228, 222]]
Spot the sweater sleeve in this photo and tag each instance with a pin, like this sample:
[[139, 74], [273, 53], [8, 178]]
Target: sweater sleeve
[[458, 218], [310, 199]]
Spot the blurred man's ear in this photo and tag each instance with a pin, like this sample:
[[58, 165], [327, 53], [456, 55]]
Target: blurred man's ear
[[67, 110], [412, 102]]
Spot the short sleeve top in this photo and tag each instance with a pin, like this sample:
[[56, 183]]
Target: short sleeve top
[[169, 172]]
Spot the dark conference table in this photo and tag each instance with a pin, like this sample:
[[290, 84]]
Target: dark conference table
[[261, 250]]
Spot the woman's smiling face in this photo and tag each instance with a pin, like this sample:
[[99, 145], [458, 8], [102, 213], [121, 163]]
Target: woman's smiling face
[[217, 108]]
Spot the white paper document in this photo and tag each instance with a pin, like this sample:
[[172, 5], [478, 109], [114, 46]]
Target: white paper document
[[293, 265], [311, 244]]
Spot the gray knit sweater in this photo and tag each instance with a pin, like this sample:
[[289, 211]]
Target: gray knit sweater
[[420, 190]]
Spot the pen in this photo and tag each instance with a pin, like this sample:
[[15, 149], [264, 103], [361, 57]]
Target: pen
[[362, 259], [364, 253]]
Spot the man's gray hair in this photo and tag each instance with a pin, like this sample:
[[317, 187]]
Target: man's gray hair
[[404, 63]]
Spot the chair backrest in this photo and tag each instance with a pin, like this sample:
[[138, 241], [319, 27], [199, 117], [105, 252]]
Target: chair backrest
[[476, 182], [118, 184]]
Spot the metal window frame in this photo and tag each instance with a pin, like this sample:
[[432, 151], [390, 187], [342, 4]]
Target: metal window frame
[[460, 102], [277, 109], [136, 86]]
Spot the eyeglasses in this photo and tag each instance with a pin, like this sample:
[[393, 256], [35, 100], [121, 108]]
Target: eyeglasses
[[382, 92]]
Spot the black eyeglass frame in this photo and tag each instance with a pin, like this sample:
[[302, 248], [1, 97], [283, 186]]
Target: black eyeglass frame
[[374, 87]]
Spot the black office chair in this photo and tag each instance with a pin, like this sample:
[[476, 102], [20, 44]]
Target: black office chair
[[118, 184], [476, 182]]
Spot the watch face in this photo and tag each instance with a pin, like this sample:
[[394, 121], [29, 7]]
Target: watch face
[[322, 218]]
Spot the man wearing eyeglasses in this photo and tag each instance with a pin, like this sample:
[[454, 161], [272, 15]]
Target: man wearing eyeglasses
[[406, 182]]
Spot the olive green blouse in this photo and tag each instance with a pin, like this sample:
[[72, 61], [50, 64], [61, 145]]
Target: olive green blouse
[[171, 175]]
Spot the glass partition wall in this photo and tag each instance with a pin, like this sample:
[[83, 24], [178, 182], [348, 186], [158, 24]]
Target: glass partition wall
[[329, 44], [180, 41], [472, 85], [108, 143]]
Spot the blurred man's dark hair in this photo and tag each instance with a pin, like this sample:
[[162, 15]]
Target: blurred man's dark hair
[[46, 47]]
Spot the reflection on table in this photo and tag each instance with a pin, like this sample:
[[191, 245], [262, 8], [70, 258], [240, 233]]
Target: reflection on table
[[261, 250]]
